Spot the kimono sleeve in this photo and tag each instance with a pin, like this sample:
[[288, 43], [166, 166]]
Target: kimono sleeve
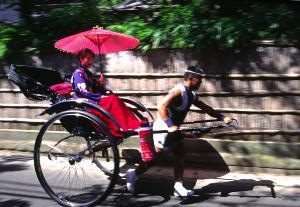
[[80, 85]]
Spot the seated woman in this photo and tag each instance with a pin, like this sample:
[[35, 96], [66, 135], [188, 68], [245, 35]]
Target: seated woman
[[86, 85]]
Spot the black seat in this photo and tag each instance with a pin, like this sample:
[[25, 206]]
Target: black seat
[[34, 82]]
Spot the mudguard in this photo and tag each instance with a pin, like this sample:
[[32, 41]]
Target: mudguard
[[80, 104], [139, 106]]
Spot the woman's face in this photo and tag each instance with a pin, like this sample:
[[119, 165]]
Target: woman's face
[[87, 61]]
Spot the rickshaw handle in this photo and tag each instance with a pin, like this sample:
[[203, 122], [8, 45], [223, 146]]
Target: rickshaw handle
[[200, 121], [233, 124]]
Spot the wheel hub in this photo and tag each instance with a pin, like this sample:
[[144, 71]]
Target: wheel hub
[[74, 158]]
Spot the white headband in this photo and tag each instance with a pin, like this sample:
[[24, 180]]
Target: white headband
[[189, 71]]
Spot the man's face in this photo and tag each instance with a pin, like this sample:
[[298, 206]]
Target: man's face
[[196, 82], [87, 61]]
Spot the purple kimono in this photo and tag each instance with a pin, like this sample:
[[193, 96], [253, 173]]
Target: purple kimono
[[85, 84]]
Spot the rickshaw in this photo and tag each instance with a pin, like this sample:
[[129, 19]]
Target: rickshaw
[[76, 158]]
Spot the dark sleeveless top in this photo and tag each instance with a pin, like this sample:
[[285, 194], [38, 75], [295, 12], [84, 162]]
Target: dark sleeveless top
[[179, 107]]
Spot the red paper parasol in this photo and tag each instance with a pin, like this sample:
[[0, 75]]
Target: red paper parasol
[[99, 40]]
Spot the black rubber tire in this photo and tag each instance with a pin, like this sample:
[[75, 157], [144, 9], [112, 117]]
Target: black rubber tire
[[113, 174]]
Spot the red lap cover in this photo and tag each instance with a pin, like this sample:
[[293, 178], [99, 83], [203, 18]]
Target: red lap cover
[[63, 89], [123, 115]]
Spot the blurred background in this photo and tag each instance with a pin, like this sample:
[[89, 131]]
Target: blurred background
[[248, 49]]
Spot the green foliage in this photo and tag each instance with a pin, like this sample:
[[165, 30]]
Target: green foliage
[[13, 38], [138, 28], [198, 24], [5, 35]]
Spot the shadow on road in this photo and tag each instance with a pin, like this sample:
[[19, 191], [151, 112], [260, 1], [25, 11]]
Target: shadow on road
[[154, 191], [7, 165], [11, 167], [154, 186], [228, 187], [202, 162], [15, 203], [140, 200], [202, 155]]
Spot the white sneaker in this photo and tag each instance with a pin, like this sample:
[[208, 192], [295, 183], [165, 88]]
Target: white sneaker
[[181, 191], [130, 181]]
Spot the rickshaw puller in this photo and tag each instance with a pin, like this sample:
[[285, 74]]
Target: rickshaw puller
[[172, 110]]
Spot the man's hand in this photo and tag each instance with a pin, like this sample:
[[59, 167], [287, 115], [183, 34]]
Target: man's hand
[[227, 120], [173, 128], [101, 80]]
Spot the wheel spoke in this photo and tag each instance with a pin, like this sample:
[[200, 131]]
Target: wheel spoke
[[69, 168], [56, 148]]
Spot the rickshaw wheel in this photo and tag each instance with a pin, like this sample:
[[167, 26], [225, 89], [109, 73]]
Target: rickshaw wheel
[[69, 167]]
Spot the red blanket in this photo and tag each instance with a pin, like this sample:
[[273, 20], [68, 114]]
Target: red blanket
[[123, 115], [63, 89]]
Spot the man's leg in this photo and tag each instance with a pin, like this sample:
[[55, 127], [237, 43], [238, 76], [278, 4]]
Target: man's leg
[[159, 140], [179, 158], [141, 168]]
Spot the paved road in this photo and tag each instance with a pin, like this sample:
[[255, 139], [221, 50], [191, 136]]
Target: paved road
[[19, 187]]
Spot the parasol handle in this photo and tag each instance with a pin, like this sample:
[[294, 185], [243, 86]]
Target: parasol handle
[[100, 64], [99, 53]]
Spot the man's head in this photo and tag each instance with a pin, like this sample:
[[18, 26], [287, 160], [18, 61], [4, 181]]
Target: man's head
[[193, 77]]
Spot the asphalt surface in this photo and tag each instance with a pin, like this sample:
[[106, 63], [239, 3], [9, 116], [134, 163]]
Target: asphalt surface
[[20, 187]]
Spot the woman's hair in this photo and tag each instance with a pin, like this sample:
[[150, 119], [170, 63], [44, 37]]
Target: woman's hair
[[192, 71], [84, 52]]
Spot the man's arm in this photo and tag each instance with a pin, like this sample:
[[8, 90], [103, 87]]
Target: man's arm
[[212, 112], [162, 108]]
